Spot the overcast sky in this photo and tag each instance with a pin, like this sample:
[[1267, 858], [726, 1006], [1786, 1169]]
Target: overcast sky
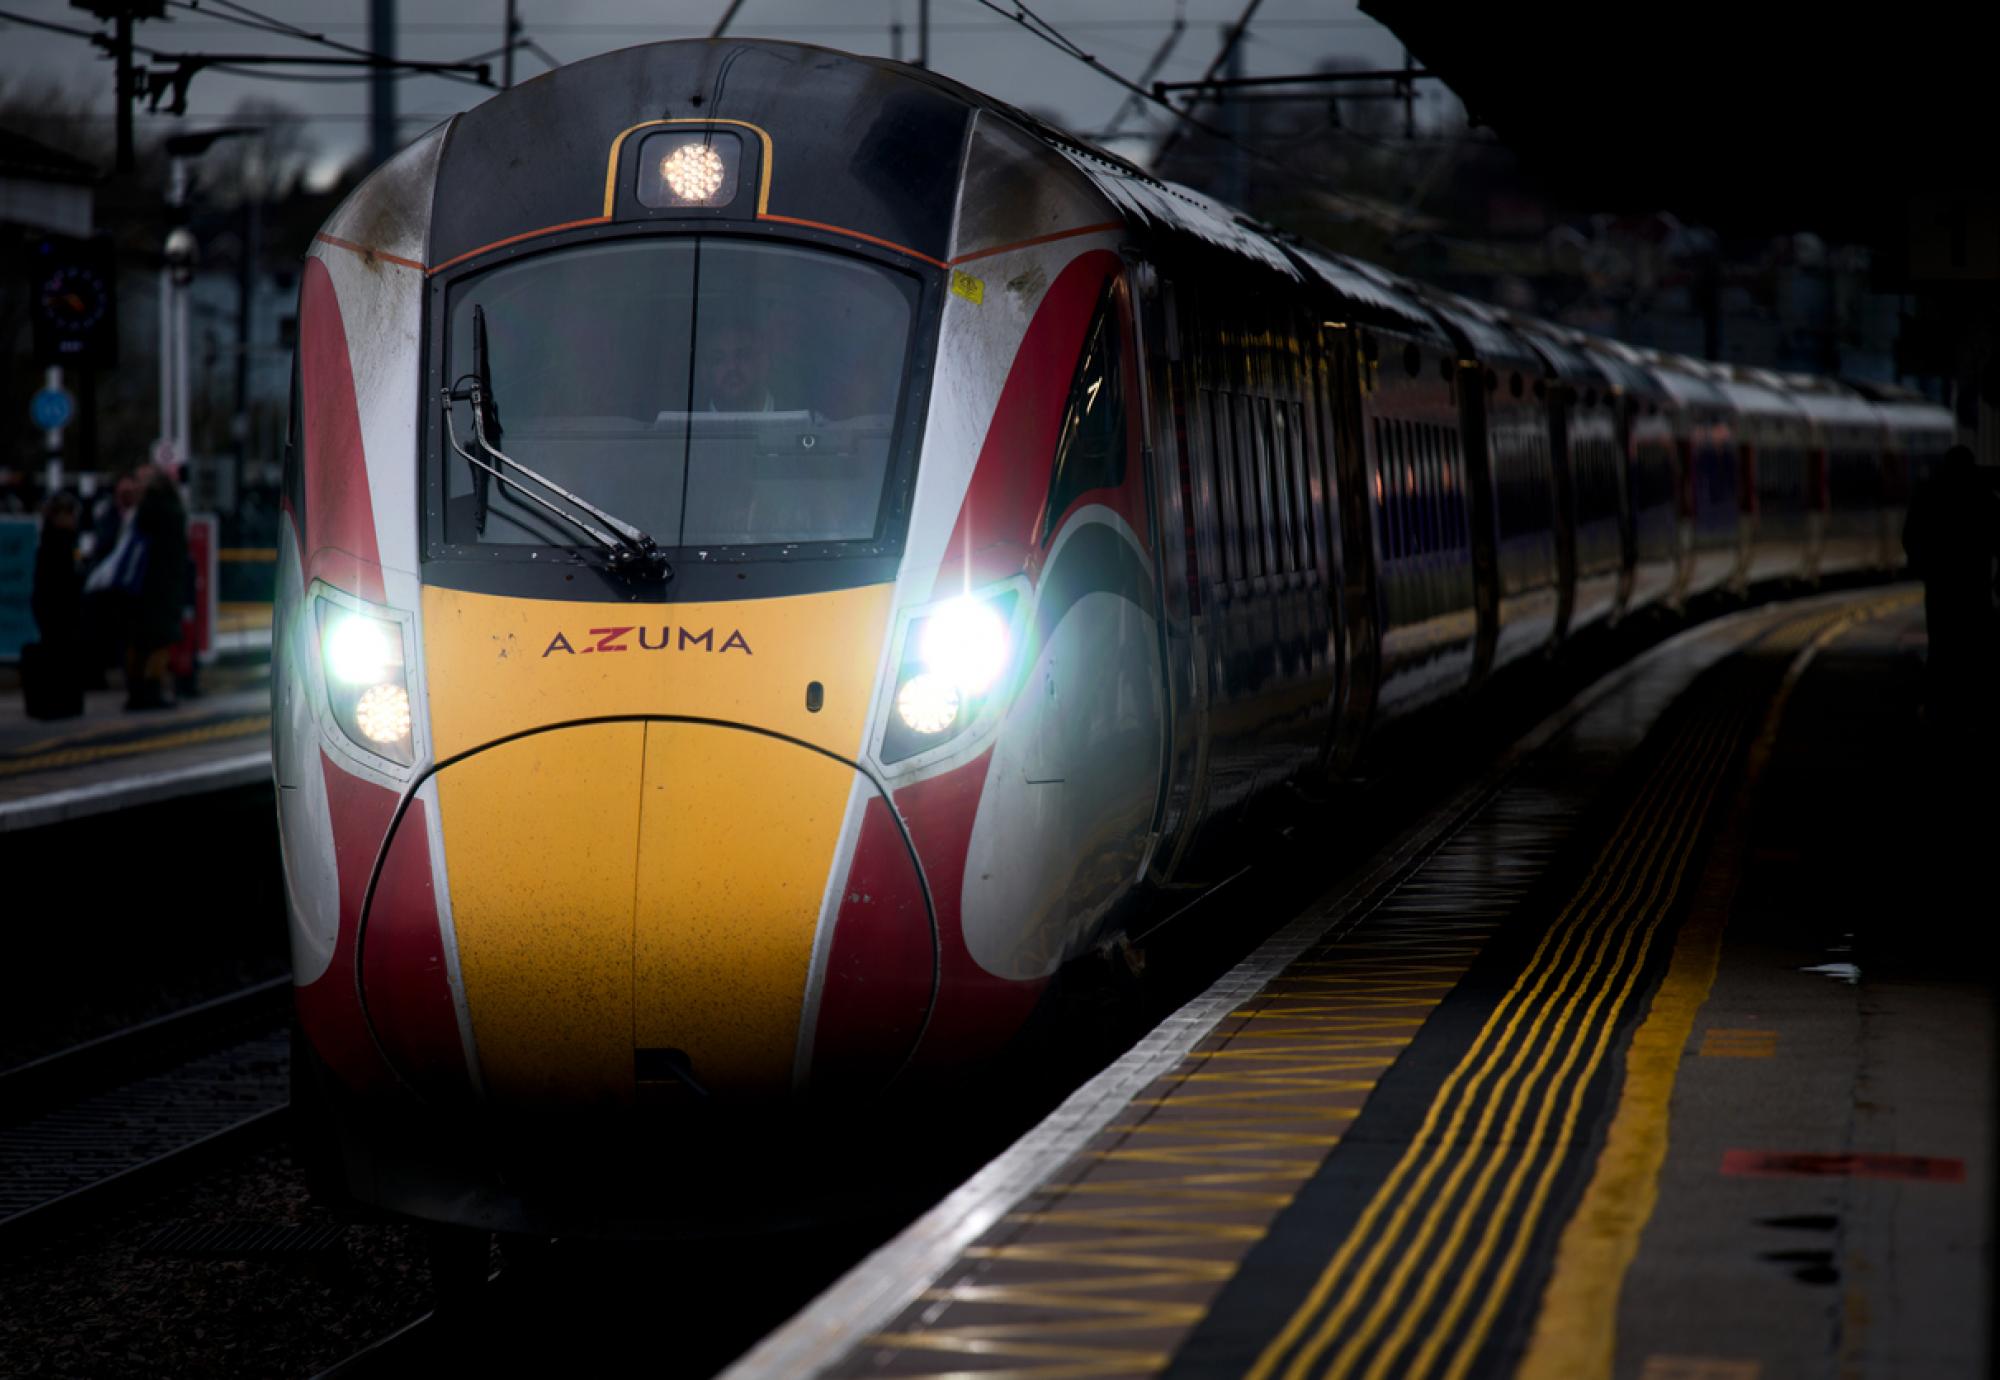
[[968, 42]]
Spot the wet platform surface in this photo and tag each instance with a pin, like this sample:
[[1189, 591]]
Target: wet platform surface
[[110, 758], [1665, 1052]]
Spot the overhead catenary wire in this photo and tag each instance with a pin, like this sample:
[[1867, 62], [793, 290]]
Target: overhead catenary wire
[[1048, 33], [50, 25], [1167, 45], [1054, 37], [230, 12], [1232, 39]]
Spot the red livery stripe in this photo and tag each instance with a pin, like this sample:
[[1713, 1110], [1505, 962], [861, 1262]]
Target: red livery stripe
[[996, 532], [409, 992], [338, 541]]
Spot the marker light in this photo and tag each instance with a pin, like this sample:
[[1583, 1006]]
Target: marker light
[[694, 172], [360, 650], [965, 641], [383, 713], [689, 169], [928, 703]]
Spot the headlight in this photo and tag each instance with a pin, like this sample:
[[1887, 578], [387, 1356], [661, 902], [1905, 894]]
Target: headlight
[[954, 657], [966, 641], [365, 682]]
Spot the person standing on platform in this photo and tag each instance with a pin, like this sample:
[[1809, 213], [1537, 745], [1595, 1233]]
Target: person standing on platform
[[161, 523], [52, 670], [1952, 537], [111, 580]]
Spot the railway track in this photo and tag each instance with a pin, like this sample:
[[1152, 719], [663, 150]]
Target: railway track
[[85, 1128]]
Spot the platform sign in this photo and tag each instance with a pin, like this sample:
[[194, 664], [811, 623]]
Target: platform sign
[[19, 536], [51, 409]]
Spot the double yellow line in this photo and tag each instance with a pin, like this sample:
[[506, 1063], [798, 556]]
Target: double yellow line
[[1591, 944]]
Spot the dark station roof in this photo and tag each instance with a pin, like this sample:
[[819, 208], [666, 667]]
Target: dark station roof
[[1759, 118]]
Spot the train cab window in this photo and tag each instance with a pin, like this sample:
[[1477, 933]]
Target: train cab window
[[1090, 448], [710, 391]]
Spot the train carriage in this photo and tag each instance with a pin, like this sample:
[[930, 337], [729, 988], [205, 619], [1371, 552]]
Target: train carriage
[[1863, 527], [1595, 546], [1507, 428], [1715, 546], [1919, 432], [1774, 457], [1642, 414], [783, 553], [1409, 517]]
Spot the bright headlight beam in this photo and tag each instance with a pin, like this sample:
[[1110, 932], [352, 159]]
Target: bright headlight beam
[[965, 641], [359, 650]]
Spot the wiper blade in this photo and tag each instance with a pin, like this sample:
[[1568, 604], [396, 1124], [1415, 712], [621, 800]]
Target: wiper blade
[[631, 551], [627, 548]]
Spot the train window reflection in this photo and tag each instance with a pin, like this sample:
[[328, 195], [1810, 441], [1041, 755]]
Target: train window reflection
[[713, 392]]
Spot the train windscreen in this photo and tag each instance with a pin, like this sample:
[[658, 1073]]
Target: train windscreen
[[710, 391]]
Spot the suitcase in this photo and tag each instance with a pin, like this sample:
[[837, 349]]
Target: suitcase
[[51, 684]]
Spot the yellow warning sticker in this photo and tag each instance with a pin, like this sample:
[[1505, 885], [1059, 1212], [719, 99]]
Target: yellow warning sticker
[[970, 288]]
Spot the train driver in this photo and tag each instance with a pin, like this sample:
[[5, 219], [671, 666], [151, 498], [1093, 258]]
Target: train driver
[[735, 370]]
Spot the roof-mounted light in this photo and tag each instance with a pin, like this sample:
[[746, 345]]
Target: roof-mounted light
[[689, 169]]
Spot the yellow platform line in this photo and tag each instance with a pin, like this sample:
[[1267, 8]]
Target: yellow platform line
[[1575, 1332], [1392, 1204], [1634, 932], [82, 756]]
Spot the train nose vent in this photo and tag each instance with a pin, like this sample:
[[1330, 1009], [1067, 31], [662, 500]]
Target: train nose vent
[[635, 906]]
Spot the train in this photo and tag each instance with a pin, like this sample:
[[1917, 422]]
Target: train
[[782, 553]]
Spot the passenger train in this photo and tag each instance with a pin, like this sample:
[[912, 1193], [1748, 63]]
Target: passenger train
[[785, 552]]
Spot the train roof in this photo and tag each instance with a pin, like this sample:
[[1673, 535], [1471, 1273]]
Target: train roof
[[1482, 331], [1683, 381], [872, 146], [1563, 359], [1756, 398], [1621, 369], [878, 148]]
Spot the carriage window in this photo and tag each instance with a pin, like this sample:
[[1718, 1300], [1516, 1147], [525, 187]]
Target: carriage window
[[710, 391], [1090, 448], [1307, 446], [1215, 407], [1249, 493], [1276, 485]]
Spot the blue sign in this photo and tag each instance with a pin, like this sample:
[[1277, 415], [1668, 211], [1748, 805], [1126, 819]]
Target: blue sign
[[18, 538], [51, 408]]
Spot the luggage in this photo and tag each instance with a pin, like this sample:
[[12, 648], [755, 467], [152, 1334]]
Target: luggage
[[51, 683]]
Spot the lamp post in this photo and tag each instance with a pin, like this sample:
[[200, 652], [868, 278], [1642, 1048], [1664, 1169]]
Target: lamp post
[[174, 447]]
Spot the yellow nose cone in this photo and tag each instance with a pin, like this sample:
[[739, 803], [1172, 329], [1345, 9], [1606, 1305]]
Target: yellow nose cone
[[633, 898]]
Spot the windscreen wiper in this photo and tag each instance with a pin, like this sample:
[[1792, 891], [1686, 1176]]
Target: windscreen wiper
[[628, 549]]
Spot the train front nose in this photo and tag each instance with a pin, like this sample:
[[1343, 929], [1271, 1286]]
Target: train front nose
[[635, 900]]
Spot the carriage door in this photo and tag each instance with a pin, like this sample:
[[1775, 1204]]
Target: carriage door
[[1161, 406]]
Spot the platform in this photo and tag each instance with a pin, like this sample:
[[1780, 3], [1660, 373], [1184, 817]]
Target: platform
[[110, 758], [1665, 1051]]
